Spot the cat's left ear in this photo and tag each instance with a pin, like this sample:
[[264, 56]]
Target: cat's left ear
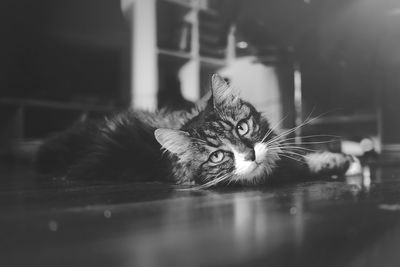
[[222, 93], [175, 141]]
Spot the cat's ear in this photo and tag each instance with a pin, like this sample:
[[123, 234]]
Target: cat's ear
[[221, 91], [175, 141]]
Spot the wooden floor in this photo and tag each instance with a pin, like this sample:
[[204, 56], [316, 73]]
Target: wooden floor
[[354, 222]]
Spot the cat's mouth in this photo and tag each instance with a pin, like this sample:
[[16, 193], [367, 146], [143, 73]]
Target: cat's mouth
[[247, 169], [252, 172], [261, 167], [254, 166]]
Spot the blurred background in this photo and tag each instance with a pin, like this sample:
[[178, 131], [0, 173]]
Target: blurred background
[[337, 61]]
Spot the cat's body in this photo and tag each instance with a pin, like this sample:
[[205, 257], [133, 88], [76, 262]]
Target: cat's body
[[224, 141], [119, 147]]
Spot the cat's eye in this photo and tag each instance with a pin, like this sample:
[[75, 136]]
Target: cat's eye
[[216, 156], [242, 128]]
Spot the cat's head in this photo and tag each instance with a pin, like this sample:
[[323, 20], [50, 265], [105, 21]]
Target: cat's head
[[229, 141]]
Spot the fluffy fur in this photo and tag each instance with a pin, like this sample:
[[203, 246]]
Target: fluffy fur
[[224, 140]]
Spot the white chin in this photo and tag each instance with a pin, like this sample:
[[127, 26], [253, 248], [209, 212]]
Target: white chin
[[252, 174]]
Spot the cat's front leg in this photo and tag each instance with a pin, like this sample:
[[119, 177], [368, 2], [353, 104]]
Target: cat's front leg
[[332, 164]]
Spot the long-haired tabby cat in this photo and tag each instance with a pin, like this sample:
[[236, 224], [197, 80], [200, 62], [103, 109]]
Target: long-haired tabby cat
[[224, 141]]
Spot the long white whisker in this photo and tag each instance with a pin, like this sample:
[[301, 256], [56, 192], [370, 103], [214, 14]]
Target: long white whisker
[[292, 158], [273, 128], [279, 136], [282, 150], [311, 143], [291, 153], [213, 182], [314, 136], [203, 186], [294, 129], [297, 148]]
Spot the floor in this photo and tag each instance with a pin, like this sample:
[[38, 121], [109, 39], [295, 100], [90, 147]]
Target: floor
[[350, 222]]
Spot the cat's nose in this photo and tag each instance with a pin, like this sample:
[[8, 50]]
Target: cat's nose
[[250, 155]]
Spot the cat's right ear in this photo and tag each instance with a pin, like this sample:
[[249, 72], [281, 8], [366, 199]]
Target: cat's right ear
[[222, 92], [175, 141], [220, 89]]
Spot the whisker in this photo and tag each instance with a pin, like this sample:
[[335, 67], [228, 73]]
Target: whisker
[[203, 186], [298, 150], [293, 146], [284, 150], [273, 128], [297, 147], [292, 153], [295, 151], [314, 136], [292, 158], [211, 183], [279, 136], [311, 142], [308, 120]]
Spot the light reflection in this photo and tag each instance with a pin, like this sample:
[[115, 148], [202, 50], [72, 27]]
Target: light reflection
[[242, 45], [360, 183], [394, 12], [244, 218], [198, 230], [239, 226], [390, 207], [378, 176], [107, 214], [258, 224], [293, 211], [383, 252], [367, 178], [250, 224], [298, 218], [53, 226]]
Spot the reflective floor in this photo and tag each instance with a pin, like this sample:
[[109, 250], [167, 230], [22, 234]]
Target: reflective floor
[[351, 222]]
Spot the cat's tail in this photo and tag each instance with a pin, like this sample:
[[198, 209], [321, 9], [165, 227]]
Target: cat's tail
[[120, 147], [62, 150]]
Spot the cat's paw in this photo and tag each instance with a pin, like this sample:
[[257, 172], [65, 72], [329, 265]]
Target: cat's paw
[[355, 167], [332, 164]]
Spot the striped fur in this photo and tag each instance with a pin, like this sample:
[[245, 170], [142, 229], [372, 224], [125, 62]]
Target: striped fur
[[224, 140]]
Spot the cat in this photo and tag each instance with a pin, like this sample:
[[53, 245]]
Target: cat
[[224, 140]]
